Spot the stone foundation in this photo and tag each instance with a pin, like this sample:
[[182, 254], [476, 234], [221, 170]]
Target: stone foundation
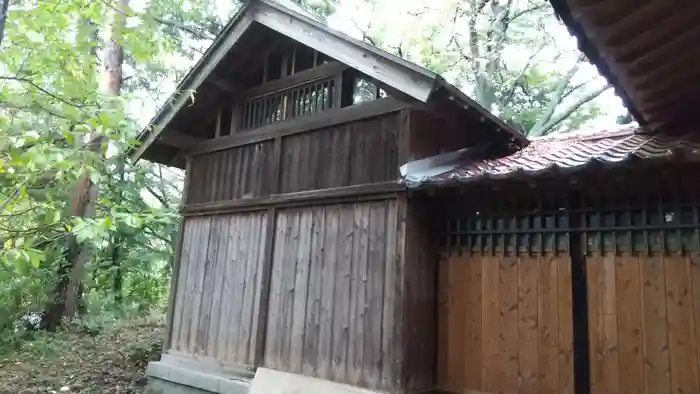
[[169, 379]]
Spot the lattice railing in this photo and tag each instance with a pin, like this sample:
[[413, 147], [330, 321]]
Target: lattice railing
[[644, 225], [286, 104]]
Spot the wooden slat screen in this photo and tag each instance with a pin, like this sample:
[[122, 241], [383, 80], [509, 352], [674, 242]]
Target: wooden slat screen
[[240, 172], [290, 103], [354, 153], [504, 324], [217, 300], [333, 294]]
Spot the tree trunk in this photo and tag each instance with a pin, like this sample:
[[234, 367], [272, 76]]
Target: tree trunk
[[53, 314], [70, 274], [116, 269], [3, 17]]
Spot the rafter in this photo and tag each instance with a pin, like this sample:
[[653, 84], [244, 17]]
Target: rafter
[[178, 139]]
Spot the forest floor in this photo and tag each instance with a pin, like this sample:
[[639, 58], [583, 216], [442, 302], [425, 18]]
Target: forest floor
[[76, 361]]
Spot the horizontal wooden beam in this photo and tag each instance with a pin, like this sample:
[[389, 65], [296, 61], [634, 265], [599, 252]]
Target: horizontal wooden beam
[[375, 190], [179, 139], [303, 77], [331, 117]]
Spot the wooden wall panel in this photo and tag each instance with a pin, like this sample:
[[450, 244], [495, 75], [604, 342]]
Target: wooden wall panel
[[329, 299], [420, 299], [235, 173], [356, 153], [505, 324], [643, 323], [218, 287]]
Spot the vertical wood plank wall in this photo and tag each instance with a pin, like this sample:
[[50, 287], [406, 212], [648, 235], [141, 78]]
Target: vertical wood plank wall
[[355, 153], [333, 294], [216, 300], [361, 152], [231, 174], [644, 323], [504, 324]]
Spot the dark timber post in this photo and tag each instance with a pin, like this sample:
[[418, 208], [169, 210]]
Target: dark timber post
[[579, 296]]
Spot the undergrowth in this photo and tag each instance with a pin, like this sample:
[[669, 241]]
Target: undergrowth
[[83, 357]]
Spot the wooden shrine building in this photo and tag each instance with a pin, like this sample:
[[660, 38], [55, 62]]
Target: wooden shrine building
[[354, 224], [300, 254]]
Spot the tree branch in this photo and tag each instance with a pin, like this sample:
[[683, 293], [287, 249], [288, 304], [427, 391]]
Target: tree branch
[[39, 88], [197, 33], [555, 99], [527, 11], [157, 196], [556, 120]]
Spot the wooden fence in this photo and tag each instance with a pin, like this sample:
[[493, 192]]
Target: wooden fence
[[573, 293], [644, 323], [505, 324]]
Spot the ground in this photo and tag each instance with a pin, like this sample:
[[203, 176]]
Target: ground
[[84, 361]]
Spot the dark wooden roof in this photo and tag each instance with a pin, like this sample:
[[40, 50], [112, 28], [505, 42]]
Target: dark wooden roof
[[648, 49], [260, 23]]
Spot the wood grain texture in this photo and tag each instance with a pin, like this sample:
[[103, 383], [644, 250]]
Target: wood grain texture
[[643, 323], [507, 324], [490, 329], [528, 323], [547, 310], [182, 271], [213, 307], [327, 309], [236, 173], [351, 154], [681, 324], [657, 376], [508, 311], [565, 341], [629, 320], [420, 275]]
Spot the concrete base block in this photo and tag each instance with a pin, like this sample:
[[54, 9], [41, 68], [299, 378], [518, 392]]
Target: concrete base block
[[268, 381], [165, 379], [159, 386]]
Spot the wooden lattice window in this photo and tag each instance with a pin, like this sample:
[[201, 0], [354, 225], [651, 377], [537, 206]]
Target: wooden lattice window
[[290, 103], [655, 223]]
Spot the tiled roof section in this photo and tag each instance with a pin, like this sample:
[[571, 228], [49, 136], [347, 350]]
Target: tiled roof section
[[569, 152]]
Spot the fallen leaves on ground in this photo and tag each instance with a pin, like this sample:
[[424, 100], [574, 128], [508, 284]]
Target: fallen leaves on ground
[[76, 362]]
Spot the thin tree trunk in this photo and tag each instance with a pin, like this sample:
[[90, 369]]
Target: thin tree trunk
[[4, 6], [116, 269]]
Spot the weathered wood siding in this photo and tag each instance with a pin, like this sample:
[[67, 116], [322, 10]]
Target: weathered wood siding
[[217, 295], [355, 153], [335, 297], [644, 323], [420, 294], [504, 324], [361, 152], [231, 174]]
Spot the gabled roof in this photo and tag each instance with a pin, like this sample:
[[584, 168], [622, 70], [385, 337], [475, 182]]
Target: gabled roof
[[415, 82], [556, 154], [648, 50]]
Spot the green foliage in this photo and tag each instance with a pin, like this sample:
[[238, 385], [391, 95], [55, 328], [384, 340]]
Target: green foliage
[[511, 56], [51, 109]]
